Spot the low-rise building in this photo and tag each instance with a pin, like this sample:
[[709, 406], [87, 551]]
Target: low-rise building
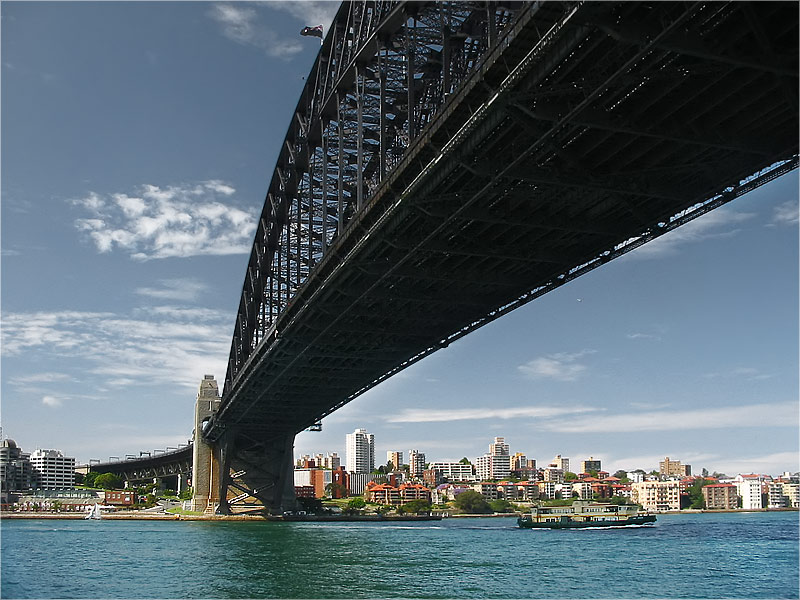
[[657, 495], [720, 496], [120, 498], [454, 471]]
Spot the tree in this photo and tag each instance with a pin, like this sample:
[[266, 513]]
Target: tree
[[356, 503], [108, 481], [472, 502], [696, 498], [622, 476], [89, 478], [186, 493], [336, 490], [465, 461], [501, 506], [570, 476], [417, 506]]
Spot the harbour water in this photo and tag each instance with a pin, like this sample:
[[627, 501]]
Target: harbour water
[[720, 555]]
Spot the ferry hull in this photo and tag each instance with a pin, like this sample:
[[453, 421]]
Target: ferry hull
[[571, 524]]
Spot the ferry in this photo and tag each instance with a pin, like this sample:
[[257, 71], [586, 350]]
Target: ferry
[[583, 514]]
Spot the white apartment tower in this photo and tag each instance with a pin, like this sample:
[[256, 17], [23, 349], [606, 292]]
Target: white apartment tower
[[561, 463], [496, 464], [360, 451], [416, 463], [52, 470]]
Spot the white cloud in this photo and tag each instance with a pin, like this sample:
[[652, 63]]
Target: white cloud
[[51, 401], [426, 415], [186, 290], [749, 373], [643, 336], [560, 366], [155, 347], [754, 415], [39, 378], [247, 25], [720, 222], [786, 213], [176, 221]]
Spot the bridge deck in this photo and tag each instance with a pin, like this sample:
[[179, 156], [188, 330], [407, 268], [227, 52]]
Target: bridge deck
[[587, 130]]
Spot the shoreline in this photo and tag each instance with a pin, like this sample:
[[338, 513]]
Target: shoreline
[[137, 516]]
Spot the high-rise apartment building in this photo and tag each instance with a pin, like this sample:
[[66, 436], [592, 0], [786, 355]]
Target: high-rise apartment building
[[590, 465], [360, 451], [496, 464], [395, 457], [52, 470], [416, 463], [561, 463], [673, 468]]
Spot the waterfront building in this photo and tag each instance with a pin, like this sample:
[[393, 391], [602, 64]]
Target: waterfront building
[[487, 489], [775, 497], [414, 491], [120, 498], [360, 452], [15, 468], [357, 482], [382, 493], [590, 465], [395, 457], [750, 489], [52, 470], [341, 479], [454, 471], [318, 479], [720, 496], [673, 468], [657, 495], [561, 463], [416, 463], [791, 492]]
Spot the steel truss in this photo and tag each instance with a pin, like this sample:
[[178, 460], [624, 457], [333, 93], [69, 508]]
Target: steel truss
[[448, 162]]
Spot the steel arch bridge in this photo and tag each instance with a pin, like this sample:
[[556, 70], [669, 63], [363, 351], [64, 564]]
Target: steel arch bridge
[[448, 162]]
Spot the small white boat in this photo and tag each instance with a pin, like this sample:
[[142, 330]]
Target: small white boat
[[94, 513]]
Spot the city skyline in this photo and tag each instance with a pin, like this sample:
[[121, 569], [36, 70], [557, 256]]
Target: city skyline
[[129, 205]]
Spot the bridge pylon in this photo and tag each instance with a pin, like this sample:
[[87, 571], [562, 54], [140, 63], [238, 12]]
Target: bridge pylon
[[206, 463]]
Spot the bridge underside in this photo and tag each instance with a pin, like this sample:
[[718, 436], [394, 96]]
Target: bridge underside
[[587, 131]]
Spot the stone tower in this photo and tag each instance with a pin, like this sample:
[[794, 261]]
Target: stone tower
[[205, 467]]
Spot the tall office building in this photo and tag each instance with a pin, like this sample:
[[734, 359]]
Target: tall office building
[[360, 451], [416, 463], [395, 457]]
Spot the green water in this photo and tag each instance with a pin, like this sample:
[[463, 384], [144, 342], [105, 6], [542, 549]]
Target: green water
[[742, 555]]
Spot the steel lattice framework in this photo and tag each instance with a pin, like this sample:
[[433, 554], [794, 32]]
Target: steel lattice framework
[[450, 161]]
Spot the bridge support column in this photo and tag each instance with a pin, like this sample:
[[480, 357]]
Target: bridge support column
[[205, 463]]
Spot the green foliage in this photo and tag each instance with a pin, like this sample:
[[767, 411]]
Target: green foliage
[[108, 481], [465, 461], [696, 499], [356, 503], [558, 502], [501, 506], [312, 506], [570, 476], [472, 502], [89, 479], [186, 493], [417, 506]]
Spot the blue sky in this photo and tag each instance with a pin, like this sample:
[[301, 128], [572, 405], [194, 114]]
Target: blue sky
[[138, 140]]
